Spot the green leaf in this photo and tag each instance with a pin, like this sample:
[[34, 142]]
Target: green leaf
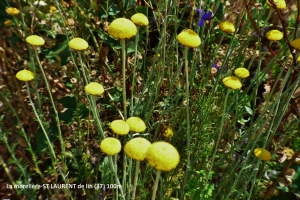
[[249, 110], [68, 102], [41, 141]]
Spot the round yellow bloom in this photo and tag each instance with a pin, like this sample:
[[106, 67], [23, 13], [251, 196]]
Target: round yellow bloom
[[25, 75], [232, 82], [169, 132], [262, 154], [136, 148], [162, 156], [227, 27], [122, 28], [288, 152], [296, 44], [280, 4], [140, 19], [136, 124], [12, 11], [35, 40], [52, 9], [242, 72], [110, 146], [78, 44], [189, 38], [94, 88], [120, 127], [8, 22], [274, 35]]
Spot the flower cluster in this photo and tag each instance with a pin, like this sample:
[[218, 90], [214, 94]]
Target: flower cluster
[[12, 11], [233, 82]]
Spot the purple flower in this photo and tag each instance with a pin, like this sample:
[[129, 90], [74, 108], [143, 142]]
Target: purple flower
[[206, 15]]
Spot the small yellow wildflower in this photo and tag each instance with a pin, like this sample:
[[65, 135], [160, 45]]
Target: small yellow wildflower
[[274, 35], [232, 82], [140, 19], [227, 27], [8, 23], [136, 124], [122, 28], [242, 72], [296, 44], [52, 9], [169, 132], [262, 154], [120, 127], [78, 44], [136, 148], [12, 11], [162, 156], [35, 40], [291, 56], [288, 152], [189, 38], [110, 146], [94, 89], [280, 4], [25, 75]]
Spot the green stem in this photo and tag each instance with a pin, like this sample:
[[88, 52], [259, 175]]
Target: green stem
[[155, 184], [187, 93], [116, 176], [124, 77], [137, 169], [134, 69]]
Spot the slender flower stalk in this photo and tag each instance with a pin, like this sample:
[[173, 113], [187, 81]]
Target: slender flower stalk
[[124, 77]]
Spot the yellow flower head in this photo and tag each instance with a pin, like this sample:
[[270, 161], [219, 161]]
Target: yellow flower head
[[35, 40], [52, 9], [288, 152], [262, 154], [169, 132], [162, 156], [280, 4], [25, 75], [94, 89], [232, 82], [8, 22], [120, 127], [189, 38], [136, 148], [140, 19], [296, 44], [227, 27], [12, 11], [242, 72], [122, 28], [78, 44], [274, 35], [110, 146], [136, 124]]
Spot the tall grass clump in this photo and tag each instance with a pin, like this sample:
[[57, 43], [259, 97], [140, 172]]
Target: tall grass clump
[[149, 99]]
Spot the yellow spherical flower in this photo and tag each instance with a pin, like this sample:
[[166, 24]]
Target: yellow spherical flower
[[110, 146], [140, 19], [280, 4], [12, 11], [242, 72], [120, 127], [189, 38], [232, 82], [35, 40], [94, 88], [169, 132], [288, 152], [78, 44], [162, 156], [25, 75], [8, 22], [296, 44], [122, 28], [136, 124], [136, 148], [52, 9], [227, 27], [274, 35], [262, 154]]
